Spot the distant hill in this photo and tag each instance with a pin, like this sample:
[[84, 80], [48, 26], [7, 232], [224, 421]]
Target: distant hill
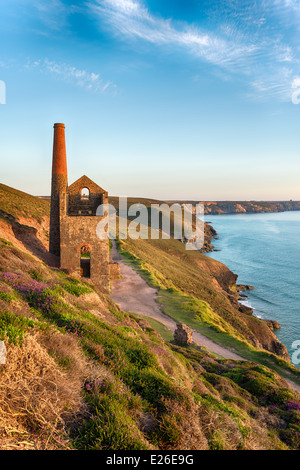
[[216, 207], [244, 207]]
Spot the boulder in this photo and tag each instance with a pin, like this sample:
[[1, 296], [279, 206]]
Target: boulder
[[183, 334], [272, 324]]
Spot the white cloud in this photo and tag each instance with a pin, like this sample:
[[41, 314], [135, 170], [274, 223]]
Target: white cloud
[[292, 4], [53, 13], [79, 77], [131, 19], [244, 39]]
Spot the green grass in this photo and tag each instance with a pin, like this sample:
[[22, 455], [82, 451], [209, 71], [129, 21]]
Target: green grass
[[143, 374], [4, 242], [20, 204], [112, 426], [76, 287], [200, 316], [14, 327], [156, 325], [7, 297]]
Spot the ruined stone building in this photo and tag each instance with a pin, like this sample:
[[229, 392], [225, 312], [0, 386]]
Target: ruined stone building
[[74, 218]]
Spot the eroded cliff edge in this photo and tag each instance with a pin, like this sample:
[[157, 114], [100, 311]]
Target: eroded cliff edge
[[23, 221]]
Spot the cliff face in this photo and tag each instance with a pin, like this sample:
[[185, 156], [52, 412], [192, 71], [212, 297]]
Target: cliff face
[[244, 207], [209, 234], [250, 207], [82, 374], [191, 272], [209, 282], [260, 331]]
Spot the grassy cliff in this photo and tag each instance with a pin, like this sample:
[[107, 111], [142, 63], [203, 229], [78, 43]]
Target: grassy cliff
[[15, 204], [82, 374], [202, 292]]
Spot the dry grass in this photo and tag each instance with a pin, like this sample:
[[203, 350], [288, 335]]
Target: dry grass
[[39, 399], [189, 424]]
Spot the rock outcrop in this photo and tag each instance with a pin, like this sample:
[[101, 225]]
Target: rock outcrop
[[183, 335], [272, 324]]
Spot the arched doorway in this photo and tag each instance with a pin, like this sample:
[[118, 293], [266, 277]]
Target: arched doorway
[[85, 261]]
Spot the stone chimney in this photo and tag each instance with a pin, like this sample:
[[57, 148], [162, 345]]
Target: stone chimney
[[58, 186]]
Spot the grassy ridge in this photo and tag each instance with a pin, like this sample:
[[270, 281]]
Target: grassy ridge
[[81, 374], [99, 378], [176, 282], [19, 204]]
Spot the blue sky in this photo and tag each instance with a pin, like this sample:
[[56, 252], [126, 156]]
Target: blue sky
[[167, 99]]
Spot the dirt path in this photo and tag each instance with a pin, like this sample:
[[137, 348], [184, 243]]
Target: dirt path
[[133, 294]]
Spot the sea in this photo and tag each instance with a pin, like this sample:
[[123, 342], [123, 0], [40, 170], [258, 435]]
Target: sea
[[264, 251]]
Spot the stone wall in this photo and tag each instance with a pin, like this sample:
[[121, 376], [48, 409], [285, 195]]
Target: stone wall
[[58, 185], [78, 205], [114, 270], [76, 232]]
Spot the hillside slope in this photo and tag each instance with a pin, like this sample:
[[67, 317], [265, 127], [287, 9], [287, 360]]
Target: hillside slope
[[24, 220], [201, 292], [82, 374], [245, 207]]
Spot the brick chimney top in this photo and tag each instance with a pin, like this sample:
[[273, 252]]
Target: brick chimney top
[[59, 161]]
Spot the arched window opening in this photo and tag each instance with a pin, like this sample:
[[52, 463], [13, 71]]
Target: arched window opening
[[85, 261], [85, 193]]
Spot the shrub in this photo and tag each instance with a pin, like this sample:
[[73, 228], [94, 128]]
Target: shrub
[[168, 433], [111, 427], [260, 386], [291, 437], [37, 293], [7, 297], [14, 327], [4, 242], [141, 357], [293, 405], [75, 287]]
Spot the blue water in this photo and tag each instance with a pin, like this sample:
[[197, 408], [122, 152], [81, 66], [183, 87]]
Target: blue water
[[264, 251]]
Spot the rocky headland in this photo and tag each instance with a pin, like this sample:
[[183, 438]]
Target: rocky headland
[[243, 207]]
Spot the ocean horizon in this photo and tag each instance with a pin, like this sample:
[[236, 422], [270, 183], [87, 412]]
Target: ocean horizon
[[264, 251]]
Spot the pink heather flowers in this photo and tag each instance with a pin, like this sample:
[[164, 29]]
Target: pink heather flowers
[[293, 405], [35, 292]]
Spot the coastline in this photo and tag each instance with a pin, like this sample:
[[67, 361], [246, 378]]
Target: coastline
[[271, 269], [243, 207]]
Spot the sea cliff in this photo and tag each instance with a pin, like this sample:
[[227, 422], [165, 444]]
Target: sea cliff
[[243, 207], [82, 374]]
